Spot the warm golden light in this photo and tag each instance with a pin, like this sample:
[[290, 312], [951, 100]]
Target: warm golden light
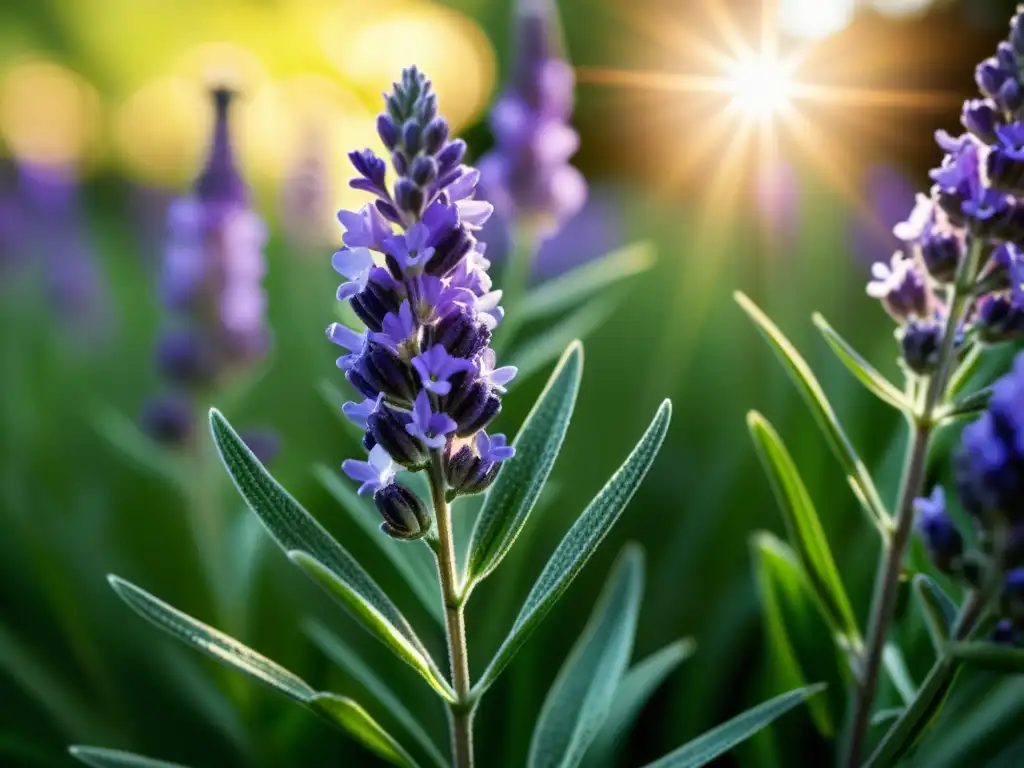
[[761, 86]]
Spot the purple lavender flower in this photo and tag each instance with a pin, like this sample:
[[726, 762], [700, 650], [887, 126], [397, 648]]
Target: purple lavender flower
[[418, 280], [941, 537], [528, 174], [901, 288], [473, 465]]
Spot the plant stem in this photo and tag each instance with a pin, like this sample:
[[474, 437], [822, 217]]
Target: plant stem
[[883, 601], [461, 712]]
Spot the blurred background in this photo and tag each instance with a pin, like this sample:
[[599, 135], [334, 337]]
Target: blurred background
[[104, 120]]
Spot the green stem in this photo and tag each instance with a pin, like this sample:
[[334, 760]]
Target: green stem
[[205, 517], [883, 602], [461, 712]]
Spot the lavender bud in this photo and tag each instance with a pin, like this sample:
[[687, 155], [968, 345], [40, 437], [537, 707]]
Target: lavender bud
[[460, 334], [409, 198], [1005, 633], [405, 516], [980, 117], [990, 77], [388, 131], [400, 162], [423, 171], [387, 428], [1011, 95], [1017, 34], [411, 137], [451, 156], [435, 135], [922, 343], [941, 254], [999, 321], [941, 537], [186, 357], [168, 419], [394, 108], [1007, 58]]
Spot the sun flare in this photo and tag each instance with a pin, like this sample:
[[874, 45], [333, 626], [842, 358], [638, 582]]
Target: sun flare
[[761, 86]]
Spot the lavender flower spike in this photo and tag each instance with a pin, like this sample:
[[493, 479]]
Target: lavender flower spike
[[528, 173], [425, 368]]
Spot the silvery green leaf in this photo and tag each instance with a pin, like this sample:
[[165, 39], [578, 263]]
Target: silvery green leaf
[[939, 610], [786, 604], [966, 407], [883, 716], [519, 483], [800, 372], [352, 718], [862, 370], [636, 687], [532, 355], [343, 592], [580, 543], [124, 434], [113, 758], [413, 562], [295, 529], [720, 740], [210, 641], [917, 716], [991, 656], [338, 651], [899, 673], [575, 287], [581, 696], [803, 527]]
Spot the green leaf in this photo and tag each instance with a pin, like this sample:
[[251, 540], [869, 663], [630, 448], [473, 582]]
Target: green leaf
[[896, 666], [413, 562], [124, 434], [635, 689], [112, 758], [581, 696], [355, 720], [939, 610], [343, 593], [883, 716], [998, 658], [338, 651], [530, 356], [582, 283], [786, 600], [720, 740], [210, 641], [519, 483], [295, 529], [803, 527], [798, 370], [967, 407], [580, 543], [862, 370], [917, 716]]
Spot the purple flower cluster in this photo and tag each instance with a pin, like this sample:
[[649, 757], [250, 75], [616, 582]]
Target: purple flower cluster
[[990, 486], [970, 227], [210, 284], [528, 174], [416, 276]]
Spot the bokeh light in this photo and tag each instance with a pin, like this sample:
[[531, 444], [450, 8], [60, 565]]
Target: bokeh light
[[761, 85], [815, 19], [48, 114]]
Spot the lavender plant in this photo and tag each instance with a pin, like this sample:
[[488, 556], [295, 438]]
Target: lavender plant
[[955, 290], [416, 278]]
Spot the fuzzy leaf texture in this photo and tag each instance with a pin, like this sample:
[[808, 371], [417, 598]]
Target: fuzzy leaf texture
[[581, 284], [351, 717], [793, 630], [210, 641], [720, 740], [938, 608], [520, 481], [333, 568], [804, 528], [579, 543], [861, 369], [800, 373], [114, 758], [581, 696], [634, 690]]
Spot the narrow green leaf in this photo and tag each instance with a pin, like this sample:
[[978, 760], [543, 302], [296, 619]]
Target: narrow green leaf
[[899, 673], [124, 434], [355, 720], [862, 370], [917, 716], [635, 689], [804, 528], [210, 641], [581, 696], [113, 758], [532, 355], [939, 610], [293, 528], [821, 410], [413, 562], [346, 596], [967, 407], [720, 740], [519, 483], [787, 605], [883, 716], [998, 658], [572, 288], [580, 543], [338, 651]]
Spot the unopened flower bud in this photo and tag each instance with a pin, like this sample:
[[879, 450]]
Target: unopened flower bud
[[405, 516]]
